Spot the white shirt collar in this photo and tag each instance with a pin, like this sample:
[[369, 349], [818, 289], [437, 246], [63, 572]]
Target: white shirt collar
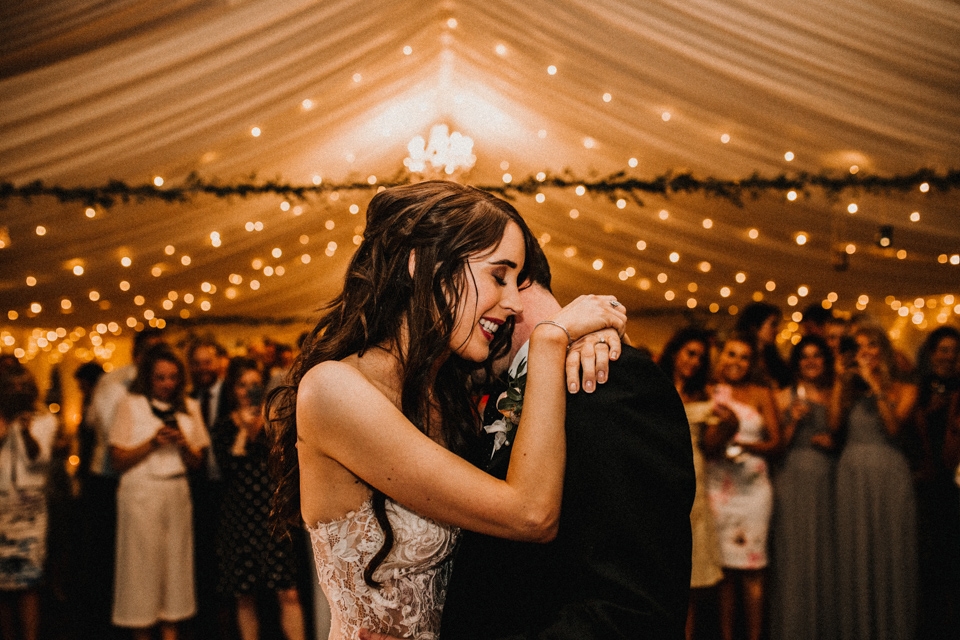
[[520, 357]]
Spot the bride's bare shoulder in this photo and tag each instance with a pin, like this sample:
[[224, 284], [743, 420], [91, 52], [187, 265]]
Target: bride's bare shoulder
[[353, 379], [332, 378]]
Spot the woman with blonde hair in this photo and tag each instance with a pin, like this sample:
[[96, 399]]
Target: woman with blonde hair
[[876, 528], [741, 495]]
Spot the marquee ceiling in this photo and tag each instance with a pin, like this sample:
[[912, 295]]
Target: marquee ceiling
[[133, 90]]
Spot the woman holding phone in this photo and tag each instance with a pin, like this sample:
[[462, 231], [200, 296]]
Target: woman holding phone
[[250, 558], [156, 436]]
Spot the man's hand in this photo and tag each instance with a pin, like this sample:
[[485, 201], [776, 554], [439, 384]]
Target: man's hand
[[588, 361]]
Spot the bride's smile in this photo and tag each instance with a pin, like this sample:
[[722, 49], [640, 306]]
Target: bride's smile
[[490, 296]]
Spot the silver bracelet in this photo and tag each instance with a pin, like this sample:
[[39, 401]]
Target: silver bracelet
[[556, 324]]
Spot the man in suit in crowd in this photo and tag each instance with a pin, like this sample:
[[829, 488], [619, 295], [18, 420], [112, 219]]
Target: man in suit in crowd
[[207, 360], [620, 565]]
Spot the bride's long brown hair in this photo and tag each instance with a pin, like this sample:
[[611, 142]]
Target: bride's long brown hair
[[444, 224]]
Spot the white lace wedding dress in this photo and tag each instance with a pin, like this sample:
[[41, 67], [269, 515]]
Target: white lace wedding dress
[[413, 577]]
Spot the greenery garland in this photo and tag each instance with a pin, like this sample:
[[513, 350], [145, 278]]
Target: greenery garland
[[614, 186]]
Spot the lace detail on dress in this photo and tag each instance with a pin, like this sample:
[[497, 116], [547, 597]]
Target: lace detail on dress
[[413, 576]]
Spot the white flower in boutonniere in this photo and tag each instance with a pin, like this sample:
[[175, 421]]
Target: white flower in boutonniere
[[510, 404]]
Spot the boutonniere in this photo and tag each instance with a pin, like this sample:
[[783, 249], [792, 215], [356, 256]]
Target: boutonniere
[[509, 404]]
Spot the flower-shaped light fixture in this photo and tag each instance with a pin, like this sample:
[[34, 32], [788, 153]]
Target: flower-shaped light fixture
[[445, 154]]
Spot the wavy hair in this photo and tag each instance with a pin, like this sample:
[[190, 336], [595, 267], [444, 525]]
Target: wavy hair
[[697, 384], [924, 368], [143, 383], [878, 335], [238, 366], [443, 224], [825, 379]]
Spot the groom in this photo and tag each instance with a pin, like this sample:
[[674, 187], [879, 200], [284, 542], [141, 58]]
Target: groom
[[620, 565]]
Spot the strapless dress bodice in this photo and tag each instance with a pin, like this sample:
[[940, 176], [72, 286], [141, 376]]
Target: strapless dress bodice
[[413, 577]]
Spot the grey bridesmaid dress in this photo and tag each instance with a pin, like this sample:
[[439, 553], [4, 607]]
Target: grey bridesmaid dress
[[802, 584], [876, 533]]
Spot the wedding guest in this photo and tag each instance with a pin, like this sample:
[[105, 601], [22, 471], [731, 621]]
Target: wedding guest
[[207, 360], [938, 498], [157, 435], [834, 331], [866, 320], [99, 494], [760, 321], [378, 407], [814, 320], [741, 495], [802, 602], [26, 441], [87, 375], [283, 360], [686, 361], [875, 507], [251, 558]]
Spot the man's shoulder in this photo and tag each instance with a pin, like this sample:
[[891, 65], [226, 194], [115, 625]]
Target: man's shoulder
[[633, 374]]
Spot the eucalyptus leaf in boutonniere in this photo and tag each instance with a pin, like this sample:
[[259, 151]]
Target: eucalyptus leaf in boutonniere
[[510, 404]]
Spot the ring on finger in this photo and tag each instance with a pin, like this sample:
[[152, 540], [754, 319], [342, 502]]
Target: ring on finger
[[614, 304], [602, 340]]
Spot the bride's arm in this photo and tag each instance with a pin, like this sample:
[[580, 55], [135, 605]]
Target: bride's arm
[[342, 416]]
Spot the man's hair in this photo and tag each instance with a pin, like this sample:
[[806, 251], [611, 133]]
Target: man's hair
[[206, 341], [537, 267], [816, 314]]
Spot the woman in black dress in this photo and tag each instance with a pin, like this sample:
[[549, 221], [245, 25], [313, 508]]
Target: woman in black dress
[[938, 499], [251, 558]]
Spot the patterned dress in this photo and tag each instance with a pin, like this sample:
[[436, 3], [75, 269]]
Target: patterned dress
[[741, 496], [413, 576], [249, 556], [23, 504]]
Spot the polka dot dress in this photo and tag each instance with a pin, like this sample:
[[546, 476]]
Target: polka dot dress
[[249, 556]]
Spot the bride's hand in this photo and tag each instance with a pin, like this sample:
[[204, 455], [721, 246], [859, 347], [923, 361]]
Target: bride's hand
[[588, 361], [591, 313]]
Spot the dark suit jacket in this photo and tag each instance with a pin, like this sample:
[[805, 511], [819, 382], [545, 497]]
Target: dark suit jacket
[[620, 565]]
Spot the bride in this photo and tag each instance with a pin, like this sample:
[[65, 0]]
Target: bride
[[369, 434]]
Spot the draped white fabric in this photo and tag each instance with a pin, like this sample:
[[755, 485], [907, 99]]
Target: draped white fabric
[[94, 90]]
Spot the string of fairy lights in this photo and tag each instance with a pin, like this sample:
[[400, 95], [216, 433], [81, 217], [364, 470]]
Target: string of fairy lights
[[194, 304], [96, 343]]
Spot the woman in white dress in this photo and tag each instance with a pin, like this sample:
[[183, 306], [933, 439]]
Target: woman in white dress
[[157, 434], [367, 434]]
